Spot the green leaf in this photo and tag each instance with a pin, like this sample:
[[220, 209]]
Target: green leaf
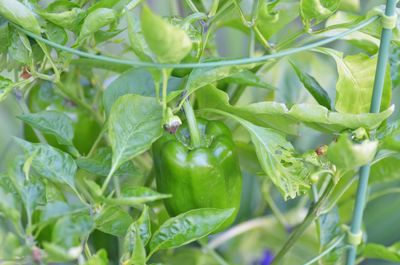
[[51, 122], [57, 253], [201, 77], [19, 14], [51, 163], [276, 156], [169, 43], [377, 251], [315, 89], [329, 231], [139, 252], [317, 9], [135, 81], [57, 209], [386, 169], [94, 21], [271, 20], [136, 238], [355, 82], [9, 206], [5, 87], [100, 164], [70, 230], [247, 78], [33, 195], [69, 19], [105, 35], [135, 122], [389, 136], [4, 35], [277, 116], [188, 227], [113, 220], [137, 195], [347, 155], [17, 50], [136, 39], [100, 258], [56, 33]]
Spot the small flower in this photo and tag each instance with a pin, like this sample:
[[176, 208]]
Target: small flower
[[266, 258]]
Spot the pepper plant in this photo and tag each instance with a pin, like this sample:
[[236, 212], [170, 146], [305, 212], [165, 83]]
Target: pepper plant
[[199, 132]]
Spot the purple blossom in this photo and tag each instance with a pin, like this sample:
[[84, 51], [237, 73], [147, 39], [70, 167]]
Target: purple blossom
[[266, 258]]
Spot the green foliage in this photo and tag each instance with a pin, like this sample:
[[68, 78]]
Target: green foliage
[[78, 178]]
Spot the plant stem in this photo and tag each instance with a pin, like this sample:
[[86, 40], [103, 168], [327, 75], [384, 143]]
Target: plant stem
[[242, 61], [164, 91], [298, 232], [108, 178], [98, 139], [191, 119], [213, 253], [192, 6]]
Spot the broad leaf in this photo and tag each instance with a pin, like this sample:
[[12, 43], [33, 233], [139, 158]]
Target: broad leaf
[[100, 258], [389, 136], [136, 81], [9, 206], [169, 43], [136, 238], [355, 82], [277, 158], [328, 232], [100, 164], [61, 254], [317, 9], [57, 209], [113, 220], [51, 122], [137, 195], [69, 19], [5, 87], [201, 77], [33, 194], [347, 155], [51, 163], [188, 227], [19, 14], [247, 78], [386, 169], [278, 116], [95, 21], [69, 231], [377, 251], [135, 123]]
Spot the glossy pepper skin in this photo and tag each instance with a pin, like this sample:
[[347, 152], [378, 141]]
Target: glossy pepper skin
[[207, 176]]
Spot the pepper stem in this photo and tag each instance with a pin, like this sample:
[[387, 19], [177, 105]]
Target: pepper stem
[[191, 120]]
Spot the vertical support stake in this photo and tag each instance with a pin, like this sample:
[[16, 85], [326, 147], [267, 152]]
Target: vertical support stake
[[383, 55]]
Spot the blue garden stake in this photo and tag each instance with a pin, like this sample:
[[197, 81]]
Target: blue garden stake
[[388, 23]]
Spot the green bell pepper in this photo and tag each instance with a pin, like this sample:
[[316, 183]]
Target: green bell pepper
[[204, 173]]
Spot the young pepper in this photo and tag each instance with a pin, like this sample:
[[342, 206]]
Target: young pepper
[[198, 173]]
